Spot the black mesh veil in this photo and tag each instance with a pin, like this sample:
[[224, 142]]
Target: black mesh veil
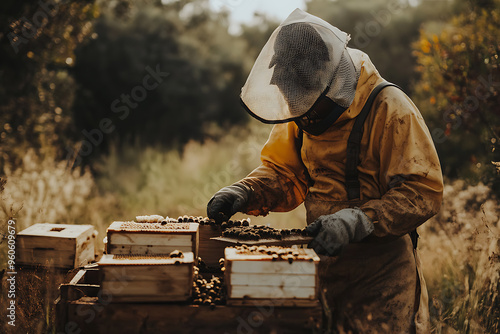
[[303, 57]]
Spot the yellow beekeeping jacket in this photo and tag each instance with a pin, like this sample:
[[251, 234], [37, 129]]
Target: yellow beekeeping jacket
[[401, 187]]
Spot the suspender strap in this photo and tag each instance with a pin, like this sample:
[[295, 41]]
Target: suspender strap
[[354, 143], [353, 150]]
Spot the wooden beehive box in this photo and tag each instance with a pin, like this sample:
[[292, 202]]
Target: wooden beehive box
[[56, 245], [152, 238], [252, 273], [132, 278], [79, 298]]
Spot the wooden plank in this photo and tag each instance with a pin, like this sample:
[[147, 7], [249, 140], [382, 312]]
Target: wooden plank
[[179, 287], [271, 292], [78, 278], [85, 253], [145, 273], [289, 280], [44, 257], [157, 239], [45, 242], [145, 228], [90, 316], [276, 302], [77, 291], [112, 260], [286, 241], [55, 230], [149, 298], [279, 267], [146, 249]]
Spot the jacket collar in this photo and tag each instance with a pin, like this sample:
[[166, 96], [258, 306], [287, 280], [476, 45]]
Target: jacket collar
[[369, 78]]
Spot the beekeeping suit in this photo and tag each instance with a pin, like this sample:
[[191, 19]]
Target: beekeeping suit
[[313, 88]]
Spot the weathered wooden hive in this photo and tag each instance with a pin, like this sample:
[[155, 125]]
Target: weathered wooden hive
[[146, 278], [152, 238], [56, 245], [271, 273]]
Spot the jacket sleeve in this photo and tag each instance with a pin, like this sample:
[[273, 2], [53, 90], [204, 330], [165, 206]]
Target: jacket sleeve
[[410, 172], [279, 184]]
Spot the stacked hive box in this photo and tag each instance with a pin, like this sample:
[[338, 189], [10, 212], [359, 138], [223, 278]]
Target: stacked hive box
[[56, 245], [152, 238], [150, 261], [129, 278], [271, 273]]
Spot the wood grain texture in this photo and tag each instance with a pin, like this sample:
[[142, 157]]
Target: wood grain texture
[[89, 316], [121, 240], [271, 292], [146, 279], [56, 245], [288, 280], [146, 249], [156, 239], [83, 312]]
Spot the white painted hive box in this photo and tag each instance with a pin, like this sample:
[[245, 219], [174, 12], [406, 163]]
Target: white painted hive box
[[152, 238], [133, 278], [252, 273], [56, 245]]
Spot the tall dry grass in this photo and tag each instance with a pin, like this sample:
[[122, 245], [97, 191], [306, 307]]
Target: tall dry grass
[[460, 249]]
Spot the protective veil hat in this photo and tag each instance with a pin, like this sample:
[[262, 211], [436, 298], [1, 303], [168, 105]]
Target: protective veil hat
[[304, 58]]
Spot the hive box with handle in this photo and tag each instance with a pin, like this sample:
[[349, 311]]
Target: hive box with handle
[[56, 245]]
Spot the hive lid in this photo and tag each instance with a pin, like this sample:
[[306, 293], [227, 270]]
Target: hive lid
[[55, 230], [130, 226]]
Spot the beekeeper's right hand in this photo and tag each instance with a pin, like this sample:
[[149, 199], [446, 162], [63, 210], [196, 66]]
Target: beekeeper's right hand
[[227, 201]]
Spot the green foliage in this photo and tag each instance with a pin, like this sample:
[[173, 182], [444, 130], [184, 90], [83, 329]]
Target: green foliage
[[36, 49], [186, 40], [383, 29], [458, 92]]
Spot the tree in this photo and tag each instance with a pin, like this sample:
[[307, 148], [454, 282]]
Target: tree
[[202, 68], [383, 29], [37, 39], [458, 91]]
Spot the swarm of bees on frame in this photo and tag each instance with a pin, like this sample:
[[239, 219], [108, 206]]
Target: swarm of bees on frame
[[258, 232], [208, 292]]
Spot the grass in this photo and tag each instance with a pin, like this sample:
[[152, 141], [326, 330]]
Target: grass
[[459, 247], [460, 251]]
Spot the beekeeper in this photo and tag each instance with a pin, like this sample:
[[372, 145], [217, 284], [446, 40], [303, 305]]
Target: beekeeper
[[357, 152]]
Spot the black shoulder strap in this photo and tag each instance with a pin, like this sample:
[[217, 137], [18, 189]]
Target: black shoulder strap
[[354, 143], [353, 149]]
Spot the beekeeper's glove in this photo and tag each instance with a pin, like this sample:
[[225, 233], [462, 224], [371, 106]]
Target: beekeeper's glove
[[227, 201], [332, 232]]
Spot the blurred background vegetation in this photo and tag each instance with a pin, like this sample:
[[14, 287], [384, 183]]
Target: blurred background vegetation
[[85, 138]]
